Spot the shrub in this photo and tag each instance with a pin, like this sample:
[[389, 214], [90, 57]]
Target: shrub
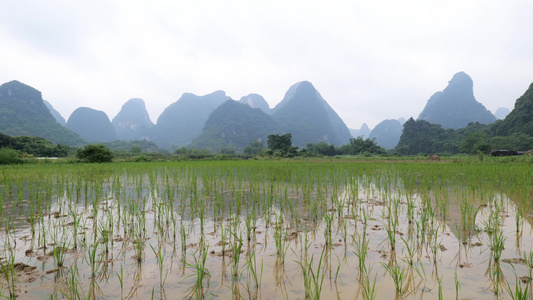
[[95, 153], [9, 156]]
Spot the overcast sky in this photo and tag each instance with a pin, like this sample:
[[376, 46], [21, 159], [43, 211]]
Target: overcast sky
[[371, 60]]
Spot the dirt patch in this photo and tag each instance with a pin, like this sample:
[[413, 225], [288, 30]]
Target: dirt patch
[[26, 273]]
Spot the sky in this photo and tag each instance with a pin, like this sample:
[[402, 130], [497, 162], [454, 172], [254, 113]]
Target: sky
[[370, 60]]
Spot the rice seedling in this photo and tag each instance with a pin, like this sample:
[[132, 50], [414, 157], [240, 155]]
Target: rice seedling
[[457, 285], [236, 253], [419, 209], [313, 279], [368, 285], [519, 292], [160, 259], [8, 270], [200, 270], [399, 276]]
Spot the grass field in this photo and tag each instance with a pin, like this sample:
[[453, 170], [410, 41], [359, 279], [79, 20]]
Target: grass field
[[264, 229]]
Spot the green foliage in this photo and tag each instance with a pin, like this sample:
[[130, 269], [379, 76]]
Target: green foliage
[[128, 146], [255, 147], [422, 137], [227, 150], [517, 141], [475, 142], [520, 120], [95, 153], [33, 145], [136, 150], [9, 156], [281, 143], [192, 151], [322, 148], [358, 146]]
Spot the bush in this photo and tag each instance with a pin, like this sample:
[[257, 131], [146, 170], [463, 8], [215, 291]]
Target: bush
[[9, 156], [95, 153]]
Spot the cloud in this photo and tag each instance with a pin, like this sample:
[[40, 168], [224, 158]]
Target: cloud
[[371, 60]]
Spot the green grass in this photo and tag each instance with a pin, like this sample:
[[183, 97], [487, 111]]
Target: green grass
[[247, 215]]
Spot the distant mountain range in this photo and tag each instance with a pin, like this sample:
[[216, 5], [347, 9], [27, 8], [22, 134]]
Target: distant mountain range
[[92, 125], [184, 119], [215, 121], [520, 119], [304, 113], [59, 118], [363, 132], [515, 132], [235, 125], [133, 121], [387, 133], [24, 113], [456, 105], [501, 113], [256, 101]]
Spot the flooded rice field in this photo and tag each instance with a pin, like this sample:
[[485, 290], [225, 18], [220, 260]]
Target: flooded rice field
[[265, 230]]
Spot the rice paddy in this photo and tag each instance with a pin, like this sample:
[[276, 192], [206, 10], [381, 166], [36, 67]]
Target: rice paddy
[[267, 229]]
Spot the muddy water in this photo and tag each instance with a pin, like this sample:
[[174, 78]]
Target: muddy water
[[365, 215]]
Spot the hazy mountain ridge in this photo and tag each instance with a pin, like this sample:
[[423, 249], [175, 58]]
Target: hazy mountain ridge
[[456, 106], [363, 132], [304, 113], [520, 119], [387, 133], [235, 125], [92, 125], [184, 120], [501, 113], [23, 113], [256, 101], [59, 118], [133, 121]]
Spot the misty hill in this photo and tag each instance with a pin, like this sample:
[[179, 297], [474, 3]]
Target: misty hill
[[520, 119], [235, 125], [304, 113], [133, 121], [256, 101], [184, 119], [387, 133], [456, 105], [363, 132], [59, 118], [501, 113], [92, 125], [23, 113]]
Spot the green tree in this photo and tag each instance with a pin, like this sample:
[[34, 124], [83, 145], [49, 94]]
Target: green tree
[[322, 148], [95, 153], [227, 150], [136, 150], [358, 146], [278, 142], [255, 147], [474, 142]]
